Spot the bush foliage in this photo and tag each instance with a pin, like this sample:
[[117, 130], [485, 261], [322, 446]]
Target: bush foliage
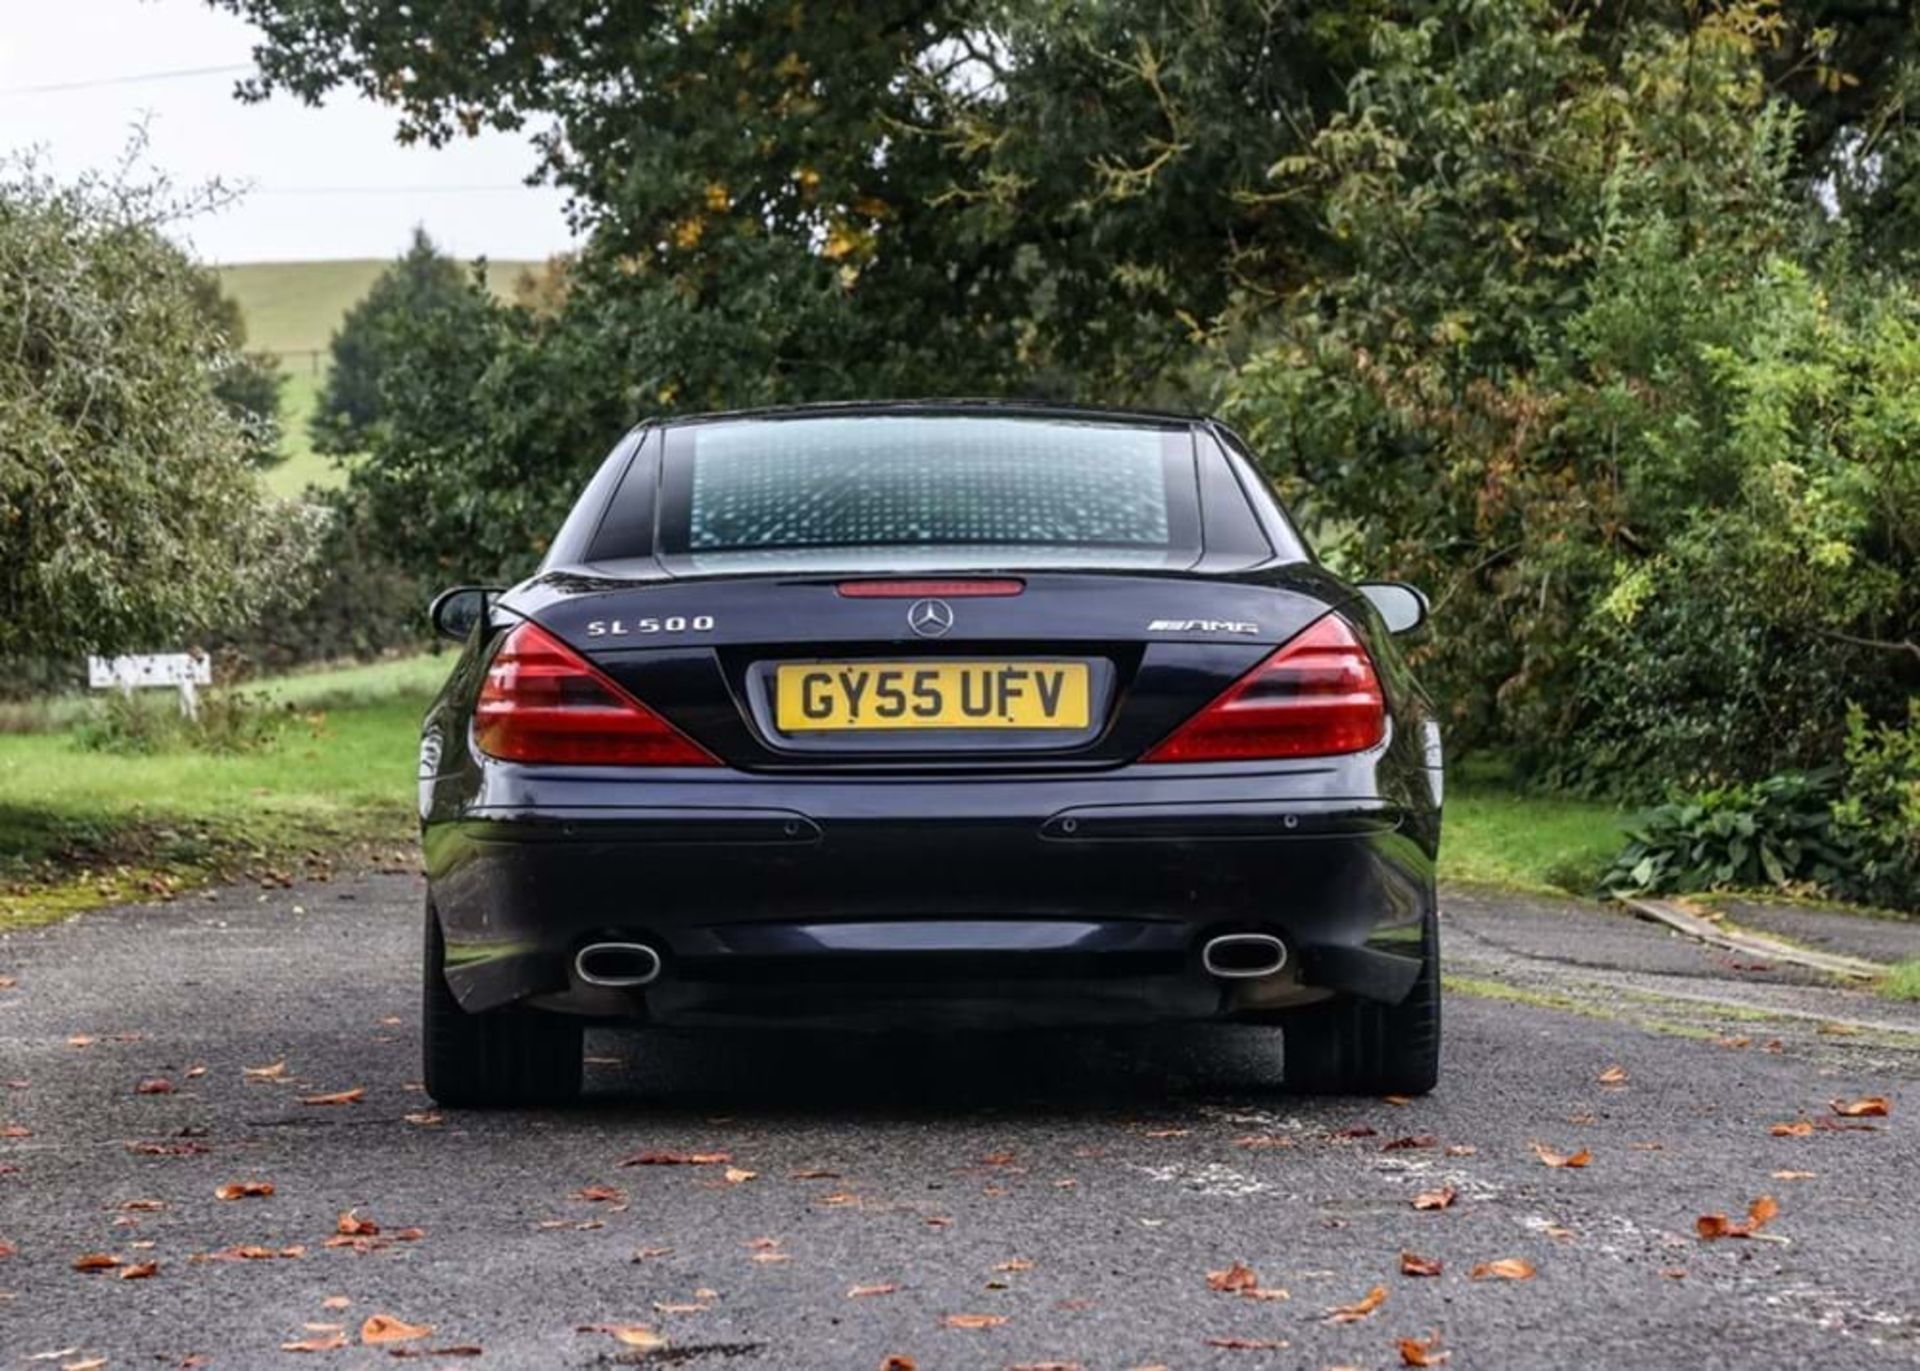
[[1776, 832], [129, 514]]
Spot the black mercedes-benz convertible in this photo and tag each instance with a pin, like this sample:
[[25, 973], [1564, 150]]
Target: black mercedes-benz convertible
[[972, 715]]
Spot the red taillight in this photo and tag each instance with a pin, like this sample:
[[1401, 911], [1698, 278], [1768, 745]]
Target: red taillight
[[543, 703], [917, 590], [1316, 696]]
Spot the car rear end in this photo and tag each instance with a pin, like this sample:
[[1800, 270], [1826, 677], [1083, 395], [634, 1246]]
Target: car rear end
[[926, 716]]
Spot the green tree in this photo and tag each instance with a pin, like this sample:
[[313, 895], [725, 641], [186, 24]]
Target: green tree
[[1591, 365], [422, 285], [129, 515]]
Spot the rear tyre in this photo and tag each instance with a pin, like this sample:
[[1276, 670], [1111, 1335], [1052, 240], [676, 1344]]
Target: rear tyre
[[497, 1059], [1350, 1046]]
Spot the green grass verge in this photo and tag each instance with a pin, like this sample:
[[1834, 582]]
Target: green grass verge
[[1903, 982], [416, 677], [82, 828], [413, 679], [1539, 843]]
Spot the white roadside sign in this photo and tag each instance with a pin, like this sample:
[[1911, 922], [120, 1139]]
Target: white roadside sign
[[182, 670]]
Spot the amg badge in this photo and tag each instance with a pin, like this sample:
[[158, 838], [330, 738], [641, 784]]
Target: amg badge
[[1203, 626]]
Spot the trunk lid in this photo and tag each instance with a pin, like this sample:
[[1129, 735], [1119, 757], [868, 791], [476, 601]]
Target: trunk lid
[[730, 661]]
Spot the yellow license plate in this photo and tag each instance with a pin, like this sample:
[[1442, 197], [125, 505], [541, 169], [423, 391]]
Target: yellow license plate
[[814, 696]]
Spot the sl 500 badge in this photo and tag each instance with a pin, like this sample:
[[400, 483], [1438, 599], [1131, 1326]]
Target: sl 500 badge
[[672, 623]]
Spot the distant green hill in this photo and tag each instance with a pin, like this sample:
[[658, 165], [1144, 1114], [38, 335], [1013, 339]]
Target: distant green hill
[[294, 307], [292, 310]]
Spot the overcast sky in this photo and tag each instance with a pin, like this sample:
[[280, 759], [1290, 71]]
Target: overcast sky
[[325, 183]]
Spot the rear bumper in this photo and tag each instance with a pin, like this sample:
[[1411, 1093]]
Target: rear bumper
[[932, 902]]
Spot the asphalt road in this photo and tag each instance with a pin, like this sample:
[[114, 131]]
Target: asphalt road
[[1075, 1191]]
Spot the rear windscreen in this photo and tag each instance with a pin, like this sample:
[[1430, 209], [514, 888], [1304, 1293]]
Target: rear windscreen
[[906, 491]]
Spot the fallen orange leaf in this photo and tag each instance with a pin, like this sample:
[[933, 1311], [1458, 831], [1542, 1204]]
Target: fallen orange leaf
[[599, 1194], [1872, 1107], [1236, 1277], [862, 1291], [974, 1320], [898, 1361], [385, 1328], [1562, 1159], [1410, 1265], [96, 1261], [265, 1073], [139, 1271], [1801, 1129], [240, 1190], [1613, 1075], [1759, 1214], [1422, 1351], [351, 1225], [352, 1096], [1435, 1199], [1016, 1264], [249, 1252], [737, 1175], [678, 1159], [1505, 1269], [635, 1335], [463, 1350], [1360, 1308], [157, 1085], [1793, 1175], [333, 1342]]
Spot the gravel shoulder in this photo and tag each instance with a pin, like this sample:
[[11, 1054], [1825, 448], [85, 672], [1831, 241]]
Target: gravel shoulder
[[1076, 1187]]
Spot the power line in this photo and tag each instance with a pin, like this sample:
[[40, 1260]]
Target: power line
[[135, 78], [387, 190]]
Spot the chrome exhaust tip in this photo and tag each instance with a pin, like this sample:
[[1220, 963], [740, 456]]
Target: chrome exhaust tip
[[1243, 956], [618, 965]]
